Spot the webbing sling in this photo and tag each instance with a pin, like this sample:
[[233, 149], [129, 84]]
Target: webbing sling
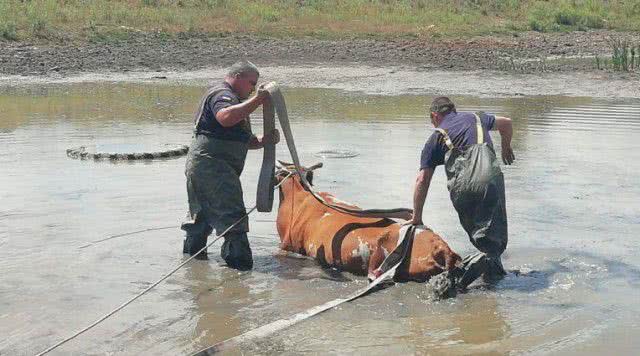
[[264, 200], [388, 267]]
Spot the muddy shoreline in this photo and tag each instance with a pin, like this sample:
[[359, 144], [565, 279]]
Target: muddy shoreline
[[529, 64], [527, 52]]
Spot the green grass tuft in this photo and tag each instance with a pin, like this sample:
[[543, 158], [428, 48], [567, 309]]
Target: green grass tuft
[[327, 18]]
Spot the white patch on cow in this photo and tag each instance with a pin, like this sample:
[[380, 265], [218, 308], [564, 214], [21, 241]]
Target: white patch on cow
[[363, 252], [325, 215], [310, 250]]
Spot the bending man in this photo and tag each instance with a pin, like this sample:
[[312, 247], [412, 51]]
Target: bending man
[[462, 144], [216, 160]]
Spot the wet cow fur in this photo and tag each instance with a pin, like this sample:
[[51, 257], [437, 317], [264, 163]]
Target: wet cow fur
[[351, 243]]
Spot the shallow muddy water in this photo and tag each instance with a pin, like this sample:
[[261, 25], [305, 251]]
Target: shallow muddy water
[[572, 199]]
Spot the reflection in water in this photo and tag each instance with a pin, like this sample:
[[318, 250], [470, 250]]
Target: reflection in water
[[478, 329], [218, 297], [572, 198]]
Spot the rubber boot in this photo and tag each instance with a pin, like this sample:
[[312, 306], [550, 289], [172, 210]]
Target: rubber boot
[[236, 251], [196, 238], [495, 271], [473, 266]]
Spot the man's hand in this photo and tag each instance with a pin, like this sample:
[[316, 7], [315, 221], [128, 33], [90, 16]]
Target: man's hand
[[262, 93], [272, 137], [507, 154]]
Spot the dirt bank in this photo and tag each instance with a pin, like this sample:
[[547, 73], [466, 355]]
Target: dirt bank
[[529, 52]]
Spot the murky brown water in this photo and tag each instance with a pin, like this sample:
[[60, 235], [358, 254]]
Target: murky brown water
[[573, 209]]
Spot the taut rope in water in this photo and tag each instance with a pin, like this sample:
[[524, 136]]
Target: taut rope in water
[[103, 318], [389, 267], [264, 203], [127, 234]]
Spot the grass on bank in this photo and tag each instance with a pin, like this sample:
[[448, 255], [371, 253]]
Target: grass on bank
[[105, 19], [625, 57]]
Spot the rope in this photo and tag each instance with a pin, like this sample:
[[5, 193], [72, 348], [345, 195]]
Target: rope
[[388, 269], [154, 229], [150, 229], [127, 234], [103, 318]]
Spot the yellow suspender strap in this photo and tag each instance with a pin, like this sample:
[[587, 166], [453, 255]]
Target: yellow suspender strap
[[479, 129], [447, 139]]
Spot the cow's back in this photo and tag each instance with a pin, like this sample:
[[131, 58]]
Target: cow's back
[[347, 242]]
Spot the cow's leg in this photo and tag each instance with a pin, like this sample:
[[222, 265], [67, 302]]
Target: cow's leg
[[376, 259]]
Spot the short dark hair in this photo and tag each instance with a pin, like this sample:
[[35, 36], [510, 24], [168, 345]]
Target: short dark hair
[[242, 68], [442, 105]]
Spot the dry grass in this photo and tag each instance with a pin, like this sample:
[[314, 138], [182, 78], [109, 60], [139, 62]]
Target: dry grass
[[113, 19]]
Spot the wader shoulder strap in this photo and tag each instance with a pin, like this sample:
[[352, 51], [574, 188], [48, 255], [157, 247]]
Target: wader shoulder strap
[[447, 139], [480, 132], [210, 92]]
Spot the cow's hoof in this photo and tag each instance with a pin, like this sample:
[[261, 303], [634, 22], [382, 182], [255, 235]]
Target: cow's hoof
[[444, 286]]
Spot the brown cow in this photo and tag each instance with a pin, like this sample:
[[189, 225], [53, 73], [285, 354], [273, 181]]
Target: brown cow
[[351, 243]]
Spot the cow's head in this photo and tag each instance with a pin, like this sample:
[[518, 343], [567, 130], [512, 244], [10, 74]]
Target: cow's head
[[285, 170]]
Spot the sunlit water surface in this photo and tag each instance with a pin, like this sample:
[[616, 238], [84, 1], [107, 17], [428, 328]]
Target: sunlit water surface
[[572, 200]]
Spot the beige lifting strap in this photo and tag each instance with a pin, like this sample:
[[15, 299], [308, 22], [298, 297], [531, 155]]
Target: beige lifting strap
[[264, 198]]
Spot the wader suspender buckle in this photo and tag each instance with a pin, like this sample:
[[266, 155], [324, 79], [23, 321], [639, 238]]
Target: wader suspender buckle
[[447, 139]]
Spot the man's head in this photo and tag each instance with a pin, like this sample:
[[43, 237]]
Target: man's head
[[441, 107], [243, 77]]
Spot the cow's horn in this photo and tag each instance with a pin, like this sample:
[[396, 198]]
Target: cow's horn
[[284, 164]]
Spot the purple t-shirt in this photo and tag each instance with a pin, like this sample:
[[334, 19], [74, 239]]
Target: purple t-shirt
[[209, 123], [461, 128]]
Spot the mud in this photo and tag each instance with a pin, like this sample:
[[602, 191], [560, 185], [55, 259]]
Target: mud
[[379, 80], [529, 52]]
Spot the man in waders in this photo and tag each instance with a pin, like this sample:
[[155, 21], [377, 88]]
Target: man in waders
[[476, 186], [216, 160]]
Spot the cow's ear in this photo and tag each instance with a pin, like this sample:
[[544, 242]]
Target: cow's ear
[[309, 176]]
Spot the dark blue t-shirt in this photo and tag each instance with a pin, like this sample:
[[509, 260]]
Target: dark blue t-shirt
[[461, 128], [210, 126]]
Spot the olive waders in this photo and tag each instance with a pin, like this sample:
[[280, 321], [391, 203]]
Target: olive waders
[[214, 191], [476, 187]]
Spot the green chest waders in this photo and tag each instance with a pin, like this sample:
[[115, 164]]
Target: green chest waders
[[476, 188], [215, 195]]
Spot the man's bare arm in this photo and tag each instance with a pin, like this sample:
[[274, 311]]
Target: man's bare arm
[[233, 114], [503, 125], [423, 180]]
